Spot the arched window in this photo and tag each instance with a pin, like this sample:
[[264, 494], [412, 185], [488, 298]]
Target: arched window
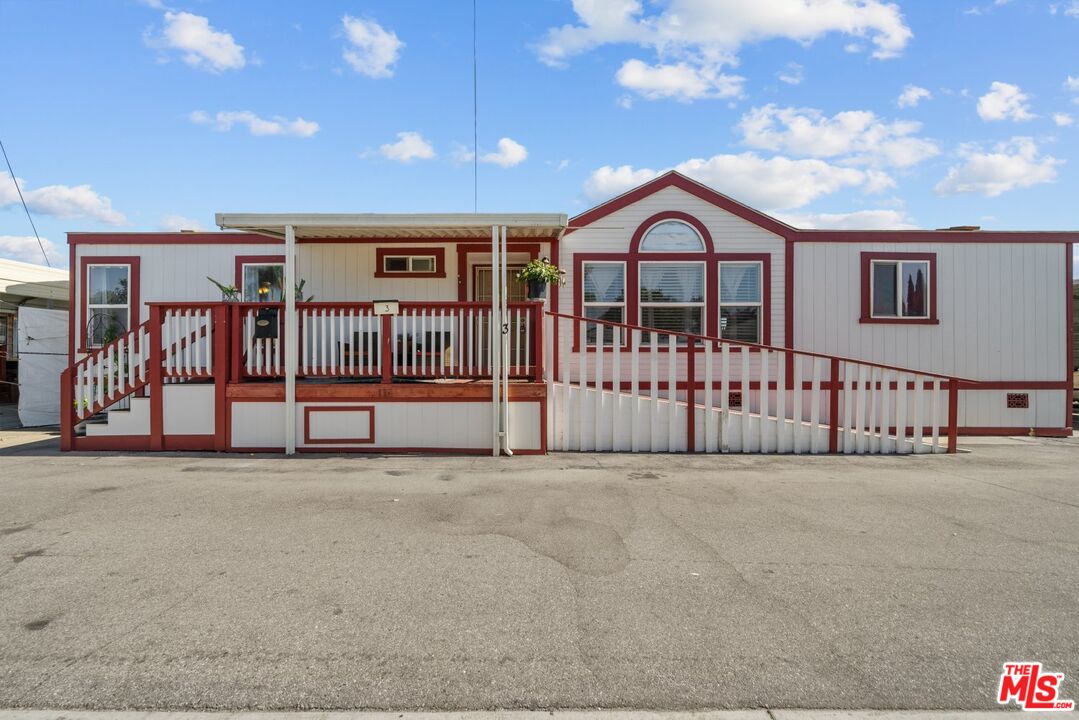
[[672, 236]]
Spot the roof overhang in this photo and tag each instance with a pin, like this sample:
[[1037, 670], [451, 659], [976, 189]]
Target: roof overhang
[[451, 226], [21, 281]]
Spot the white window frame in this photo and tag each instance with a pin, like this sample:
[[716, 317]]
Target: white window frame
[[91, 307], [899, 315], [243, 280], [410, 259], [625, 294], [703, 305], [758, 304], [644, 237]]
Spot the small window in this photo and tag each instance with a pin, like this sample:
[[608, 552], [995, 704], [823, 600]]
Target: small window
[[672, 297], [108, 306], [604, 297], [740, 301], [672, 236], [405, 264], [900, 289], [263, 283]]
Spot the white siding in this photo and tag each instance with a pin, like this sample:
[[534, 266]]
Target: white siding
[[1002, 310], [730, 234]]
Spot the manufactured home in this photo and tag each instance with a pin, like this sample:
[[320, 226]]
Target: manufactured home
[[687, 322]]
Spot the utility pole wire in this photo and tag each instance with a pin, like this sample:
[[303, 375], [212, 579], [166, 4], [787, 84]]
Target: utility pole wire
[[28, 217], [475, 122]]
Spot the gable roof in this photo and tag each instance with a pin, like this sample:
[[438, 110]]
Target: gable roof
[[673, 178]]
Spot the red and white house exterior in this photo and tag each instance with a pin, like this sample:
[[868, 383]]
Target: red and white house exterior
[[996, 339]]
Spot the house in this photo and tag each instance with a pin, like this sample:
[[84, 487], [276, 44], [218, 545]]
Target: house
[[688, 322], [24, 286]]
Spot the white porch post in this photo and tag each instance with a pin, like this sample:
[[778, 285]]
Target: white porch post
[[504, 329], [495, 345], [291, 339]]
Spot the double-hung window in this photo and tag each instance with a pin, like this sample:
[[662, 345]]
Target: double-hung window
[[604, 297], [672, 296], [740, 301], [263, 282], [900, 289], [108, 303]]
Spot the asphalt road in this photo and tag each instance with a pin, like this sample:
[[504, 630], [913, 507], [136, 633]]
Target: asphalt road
[[185, 581]]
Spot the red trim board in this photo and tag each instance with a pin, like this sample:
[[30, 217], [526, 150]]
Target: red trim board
[[134, 308], [438, 252], [867, 259], [310, 410]]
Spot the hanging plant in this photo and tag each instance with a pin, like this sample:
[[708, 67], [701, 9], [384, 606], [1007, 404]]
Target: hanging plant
[[539, 274]]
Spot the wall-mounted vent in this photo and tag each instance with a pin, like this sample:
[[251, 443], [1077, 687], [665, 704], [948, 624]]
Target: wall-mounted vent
[[1018, 401], [734, 400]]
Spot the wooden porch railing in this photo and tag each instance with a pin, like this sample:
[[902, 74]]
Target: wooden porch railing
[[685, 392], [423, 341]]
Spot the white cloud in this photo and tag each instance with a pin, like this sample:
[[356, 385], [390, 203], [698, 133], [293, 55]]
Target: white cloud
[[694, 40], [792, 74], [1070, 8], [1063, 119], [912, 95], [200, 45], [176, 223], [409, 146], [510, 153], [859, 220], [1010, 165], [774, 183], [61, 201], [25, 249], [372, 50], [856, 136], [223, 122], [1072, 83], [1004, 101], [681, 81]]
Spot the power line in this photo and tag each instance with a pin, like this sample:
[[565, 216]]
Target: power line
[[475, 122], [19, 190]]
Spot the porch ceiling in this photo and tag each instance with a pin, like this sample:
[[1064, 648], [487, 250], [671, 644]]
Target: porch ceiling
[[406, 226]]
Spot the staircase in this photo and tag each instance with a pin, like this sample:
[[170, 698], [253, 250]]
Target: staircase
[[111, 391]]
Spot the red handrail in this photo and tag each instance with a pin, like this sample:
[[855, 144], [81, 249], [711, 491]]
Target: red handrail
[[775, 348]]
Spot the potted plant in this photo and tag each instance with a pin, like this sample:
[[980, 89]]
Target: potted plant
[[539, 274], [229, 293]]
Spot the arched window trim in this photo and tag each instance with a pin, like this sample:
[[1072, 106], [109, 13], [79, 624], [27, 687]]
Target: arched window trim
[[709, 256], [668, 215], [644, 238]]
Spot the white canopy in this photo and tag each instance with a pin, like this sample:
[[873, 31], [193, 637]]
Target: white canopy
[[20, 281], [416, 226]]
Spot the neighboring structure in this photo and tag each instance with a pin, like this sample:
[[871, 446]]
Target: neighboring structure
[[783, 339], [24, 285]]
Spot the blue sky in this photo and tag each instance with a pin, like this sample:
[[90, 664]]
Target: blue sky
[[147, 115]]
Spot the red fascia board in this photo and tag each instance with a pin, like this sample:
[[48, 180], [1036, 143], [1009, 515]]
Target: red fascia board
[[675, 179], [935, 236]]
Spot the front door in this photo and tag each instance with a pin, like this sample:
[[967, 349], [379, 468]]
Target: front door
[[482, 282]]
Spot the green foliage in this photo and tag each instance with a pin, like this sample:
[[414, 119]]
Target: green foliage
[[542, 270], [229, 293], [299, 292]]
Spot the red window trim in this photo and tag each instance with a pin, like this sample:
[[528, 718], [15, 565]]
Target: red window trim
[[134, 308], [643, 228], [711, 283], [242, 260], [310, 410], [867, 311], [439, 254]]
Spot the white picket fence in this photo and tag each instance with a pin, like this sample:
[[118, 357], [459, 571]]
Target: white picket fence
[[679, 393]]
